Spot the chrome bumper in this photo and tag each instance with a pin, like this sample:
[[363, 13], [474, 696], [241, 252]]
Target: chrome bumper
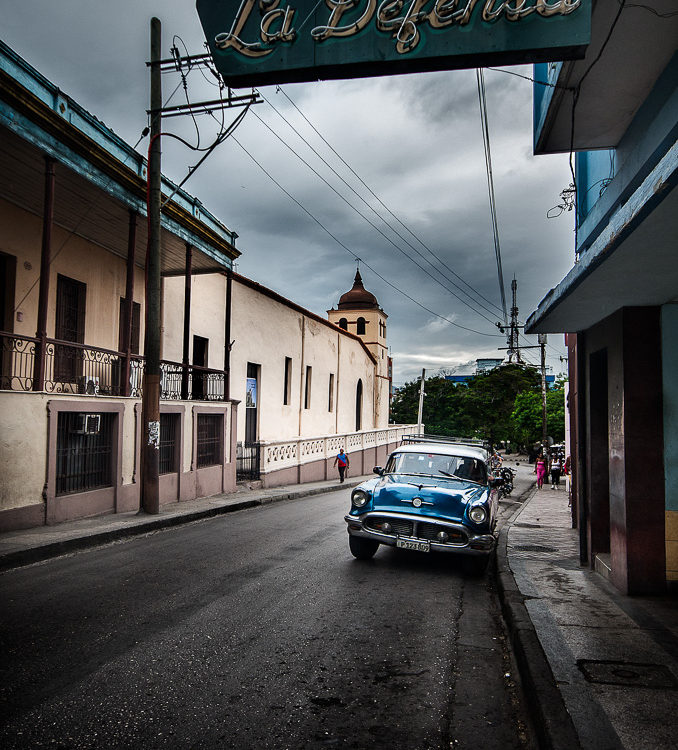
[[476, 544]]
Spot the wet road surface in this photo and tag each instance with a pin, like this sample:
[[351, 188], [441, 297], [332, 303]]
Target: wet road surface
[[254, 630]]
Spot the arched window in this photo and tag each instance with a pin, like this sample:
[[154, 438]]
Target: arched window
[[343, 323], [359, 405], [361, 327]]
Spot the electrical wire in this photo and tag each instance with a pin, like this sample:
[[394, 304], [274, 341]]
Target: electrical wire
[[351, 252], [374, 211], [381, 203], [480, 79], [371, 223]]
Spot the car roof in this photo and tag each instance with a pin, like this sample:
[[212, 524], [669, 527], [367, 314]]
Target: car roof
[[445, 449]]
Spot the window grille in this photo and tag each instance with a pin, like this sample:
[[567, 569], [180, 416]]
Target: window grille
[[169, 429], [84, 451], [210, 429]]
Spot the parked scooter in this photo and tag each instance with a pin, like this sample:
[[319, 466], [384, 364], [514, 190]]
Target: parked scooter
[[507, 474]]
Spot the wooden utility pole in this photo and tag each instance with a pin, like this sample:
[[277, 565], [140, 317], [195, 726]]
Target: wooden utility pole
[[150, 492], [420, 413]]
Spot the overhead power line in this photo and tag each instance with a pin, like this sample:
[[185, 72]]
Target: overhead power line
[[490, 186], [351, 252], [381, 203], [369, 221]]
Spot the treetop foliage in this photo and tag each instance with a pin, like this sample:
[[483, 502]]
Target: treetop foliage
[[501, 404]]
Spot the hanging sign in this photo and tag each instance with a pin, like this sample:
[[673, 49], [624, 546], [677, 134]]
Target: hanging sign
[[259, 42]]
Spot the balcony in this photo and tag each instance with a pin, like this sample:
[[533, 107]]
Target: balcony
[[78, 369]]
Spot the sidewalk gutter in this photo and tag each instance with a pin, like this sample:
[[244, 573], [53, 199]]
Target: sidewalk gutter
[[550, 719], [134, 524]]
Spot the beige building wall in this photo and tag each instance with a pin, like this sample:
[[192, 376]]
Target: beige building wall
[[103, 273], [265, 330], [208, 317]]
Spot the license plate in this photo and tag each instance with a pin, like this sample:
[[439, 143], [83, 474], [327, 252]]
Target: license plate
[[418, 546]]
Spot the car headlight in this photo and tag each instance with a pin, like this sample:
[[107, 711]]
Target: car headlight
[[478, 514], [359, 498]]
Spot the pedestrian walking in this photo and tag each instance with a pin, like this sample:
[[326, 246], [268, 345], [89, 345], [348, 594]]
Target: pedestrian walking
[[540, 470], [556, 469], [342, 463]]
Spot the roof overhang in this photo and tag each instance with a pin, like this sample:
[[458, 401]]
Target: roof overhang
[[632, 262], [639, 49], [99, 179]]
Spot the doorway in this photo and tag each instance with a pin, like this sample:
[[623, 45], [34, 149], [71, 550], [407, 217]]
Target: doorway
[[200, 360]]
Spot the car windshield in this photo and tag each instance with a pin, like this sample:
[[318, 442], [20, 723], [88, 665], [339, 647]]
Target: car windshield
[[437, 465]]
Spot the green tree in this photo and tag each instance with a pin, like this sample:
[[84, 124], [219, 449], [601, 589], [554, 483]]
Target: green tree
[[527, 415], [481, 408]]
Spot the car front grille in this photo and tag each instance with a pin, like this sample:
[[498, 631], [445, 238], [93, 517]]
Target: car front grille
[[399, 527], [416, 530], [430, 531]]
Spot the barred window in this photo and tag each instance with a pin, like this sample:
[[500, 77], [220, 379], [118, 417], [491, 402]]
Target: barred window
[[84, 451], [210, 430], [169, 430]]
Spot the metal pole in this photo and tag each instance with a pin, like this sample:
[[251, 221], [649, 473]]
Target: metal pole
[[150, 493], [420, 413], [542, 344]]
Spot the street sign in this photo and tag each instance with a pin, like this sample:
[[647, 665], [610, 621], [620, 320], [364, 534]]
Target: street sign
[[259, 42]]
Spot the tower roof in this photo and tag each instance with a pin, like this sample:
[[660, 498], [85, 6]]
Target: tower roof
[[358, 298]]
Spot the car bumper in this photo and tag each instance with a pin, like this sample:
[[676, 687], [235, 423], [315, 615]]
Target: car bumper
[[470, 543]]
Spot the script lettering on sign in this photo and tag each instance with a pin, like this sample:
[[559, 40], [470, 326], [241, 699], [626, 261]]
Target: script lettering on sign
[[401, 19], [276, 41]]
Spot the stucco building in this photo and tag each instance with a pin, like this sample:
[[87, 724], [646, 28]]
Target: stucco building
[[618, 110], [242, 368]]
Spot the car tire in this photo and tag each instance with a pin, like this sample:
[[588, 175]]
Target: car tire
[[362, 549], [475, 566]]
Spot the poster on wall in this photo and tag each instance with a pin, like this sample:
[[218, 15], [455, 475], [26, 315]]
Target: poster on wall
[[260, 42], [251, 394]]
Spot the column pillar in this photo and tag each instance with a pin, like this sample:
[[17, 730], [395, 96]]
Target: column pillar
[[185, 360], [45, 260]]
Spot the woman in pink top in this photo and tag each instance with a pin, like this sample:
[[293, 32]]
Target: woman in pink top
[[540, 470]]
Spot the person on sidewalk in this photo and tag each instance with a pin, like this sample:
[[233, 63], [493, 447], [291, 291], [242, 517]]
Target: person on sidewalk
[[556, 468], [342, 463], [540, 470]]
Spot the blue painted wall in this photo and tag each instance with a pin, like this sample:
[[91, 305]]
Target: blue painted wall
[[670, 391]]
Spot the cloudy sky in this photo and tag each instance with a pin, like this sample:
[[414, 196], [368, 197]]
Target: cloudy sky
[[415, 141]]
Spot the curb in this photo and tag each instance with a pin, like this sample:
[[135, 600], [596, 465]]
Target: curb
[[550, 719], [43, 552]]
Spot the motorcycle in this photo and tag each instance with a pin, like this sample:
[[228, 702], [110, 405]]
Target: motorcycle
[[507, 474]]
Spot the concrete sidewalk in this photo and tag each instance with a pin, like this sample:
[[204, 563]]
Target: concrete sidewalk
[[32, 545], [600, 670]]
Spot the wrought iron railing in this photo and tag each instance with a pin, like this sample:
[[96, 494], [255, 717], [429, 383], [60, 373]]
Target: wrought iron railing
[[67, 367]]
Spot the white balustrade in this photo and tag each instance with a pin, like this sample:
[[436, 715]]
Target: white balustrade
[[285, 454]]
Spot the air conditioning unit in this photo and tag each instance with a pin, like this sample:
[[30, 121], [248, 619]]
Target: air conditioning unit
[[87, 424], [89, 384]]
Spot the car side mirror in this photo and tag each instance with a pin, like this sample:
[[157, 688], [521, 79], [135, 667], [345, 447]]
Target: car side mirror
[[378, 470]]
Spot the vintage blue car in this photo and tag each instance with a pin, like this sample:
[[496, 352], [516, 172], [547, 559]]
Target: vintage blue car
[[430, 497]]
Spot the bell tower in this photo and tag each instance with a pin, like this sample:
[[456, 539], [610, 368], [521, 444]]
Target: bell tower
[[358, 312]]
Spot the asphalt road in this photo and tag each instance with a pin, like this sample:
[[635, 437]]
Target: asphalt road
[[254, 630]]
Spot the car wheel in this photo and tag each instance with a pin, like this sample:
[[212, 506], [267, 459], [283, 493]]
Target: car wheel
[[475, 566], [362, 549]]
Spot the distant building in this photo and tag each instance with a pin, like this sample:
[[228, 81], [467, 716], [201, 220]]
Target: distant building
[[487, 365]]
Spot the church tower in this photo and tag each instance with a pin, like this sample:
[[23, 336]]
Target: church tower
[[358, 312]]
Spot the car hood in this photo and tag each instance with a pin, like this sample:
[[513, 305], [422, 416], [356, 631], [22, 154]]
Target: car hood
[[449, 498]]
